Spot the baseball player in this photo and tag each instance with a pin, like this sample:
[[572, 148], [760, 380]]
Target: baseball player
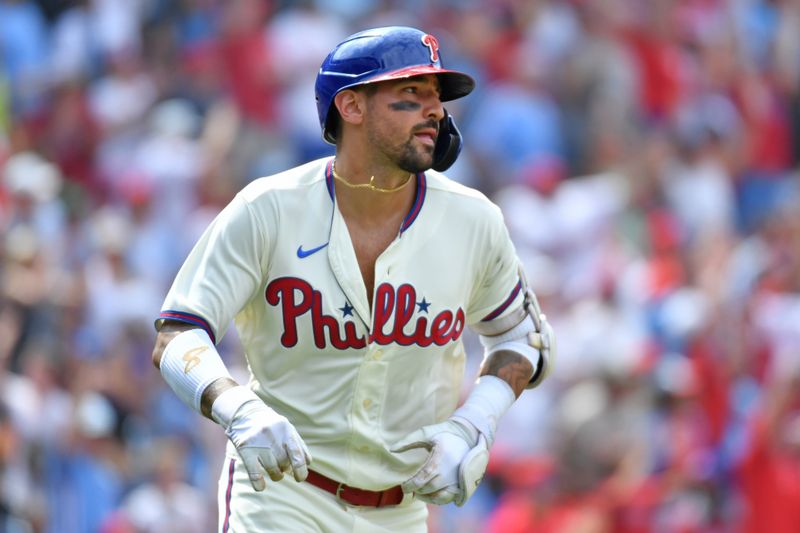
[[350, 281]]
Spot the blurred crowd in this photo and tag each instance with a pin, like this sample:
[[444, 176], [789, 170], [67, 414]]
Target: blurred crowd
[[645, 155]]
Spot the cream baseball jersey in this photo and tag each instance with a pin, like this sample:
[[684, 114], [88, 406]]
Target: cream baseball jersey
[[279, 262]]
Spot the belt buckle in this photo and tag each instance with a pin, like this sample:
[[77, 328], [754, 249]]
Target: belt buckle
[[339, 488]]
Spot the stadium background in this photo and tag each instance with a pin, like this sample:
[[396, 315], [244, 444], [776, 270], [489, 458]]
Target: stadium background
[[644, 152]]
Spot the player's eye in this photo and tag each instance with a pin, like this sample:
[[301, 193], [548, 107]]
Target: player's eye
[[411, 89]]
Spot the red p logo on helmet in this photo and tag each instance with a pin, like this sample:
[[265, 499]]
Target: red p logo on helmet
[[433, 45]]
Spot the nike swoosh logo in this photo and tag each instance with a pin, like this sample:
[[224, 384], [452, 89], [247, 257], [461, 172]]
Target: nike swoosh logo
[[305, 253]]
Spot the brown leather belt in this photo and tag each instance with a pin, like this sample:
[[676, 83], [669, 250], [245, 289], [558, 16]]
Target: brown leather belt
[[354, 496]]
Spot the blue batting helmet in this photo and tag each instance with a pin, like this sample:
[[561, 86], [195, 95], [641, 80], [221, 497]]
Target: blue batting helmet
[[382, 54]]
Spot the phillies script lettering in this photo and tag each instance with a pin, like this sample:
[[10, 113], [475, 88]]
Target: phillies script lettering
[[394, 311]]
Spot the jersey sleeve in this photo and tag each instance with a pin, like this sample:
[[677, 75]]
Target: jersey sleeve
[[222, 272], [497, 297]]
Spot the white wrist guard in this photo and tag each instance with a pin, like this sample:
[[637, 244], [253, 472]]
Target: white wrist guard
[[225, 406], [489, 400], [189, 364]]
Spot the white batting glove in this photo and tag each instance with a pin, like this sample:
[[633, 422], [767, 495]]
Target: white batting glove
[[457, 449], [459, 446], [264, 439]]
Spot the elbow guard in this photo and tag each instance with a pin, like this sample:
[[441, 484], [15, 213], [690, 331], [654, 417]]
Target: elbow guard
[[533, 338]]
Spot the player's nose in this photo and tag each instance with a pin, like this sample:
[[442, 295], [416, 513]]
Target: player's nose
[[434, 109]]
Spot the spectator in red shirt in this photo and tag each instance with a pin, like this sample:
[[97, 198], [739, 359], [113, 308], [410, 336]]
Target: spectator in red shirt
[[769, 473]]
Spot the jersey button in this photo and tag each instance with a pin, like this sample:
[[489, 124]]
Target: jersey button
[[367, 403], [377, 355]]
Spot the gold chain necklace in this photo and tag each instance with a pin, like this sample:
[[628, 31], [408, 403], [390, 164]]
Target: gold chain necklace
[[371, 185]]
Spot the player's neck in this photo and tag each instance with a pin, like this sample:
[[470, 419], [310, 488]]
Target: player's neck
[[372, 176], [366, 192]]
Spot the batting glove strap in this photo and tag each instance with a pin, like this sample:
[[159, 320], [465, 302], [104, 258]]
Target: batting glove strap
[[189, 364], [486, 404], [471, 470], [229, 402]]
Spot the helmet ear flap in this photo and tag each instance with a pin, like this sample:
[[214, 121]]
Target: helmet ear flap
[[448, 144]]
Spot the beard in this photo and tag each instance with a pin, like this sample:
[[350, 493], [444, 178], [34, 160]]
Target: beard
[[407, 155], [413, 159]]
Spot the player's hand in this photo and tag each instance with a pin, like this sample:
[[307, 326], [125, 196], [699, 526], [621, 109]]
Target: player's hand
[[265, 440], [456, 463]]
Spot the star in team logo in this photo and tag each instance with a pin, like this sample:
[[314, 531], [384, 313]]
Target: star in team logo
[[347, 310], [423, 306]]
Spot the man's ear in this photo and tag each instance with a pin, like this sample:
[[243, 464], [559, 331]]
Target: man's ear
[[350, 105]]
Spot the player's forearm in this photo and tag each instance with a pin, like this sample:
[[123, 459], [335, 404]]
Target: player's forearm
[[169, 331], [511, 367], [212, 392]]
